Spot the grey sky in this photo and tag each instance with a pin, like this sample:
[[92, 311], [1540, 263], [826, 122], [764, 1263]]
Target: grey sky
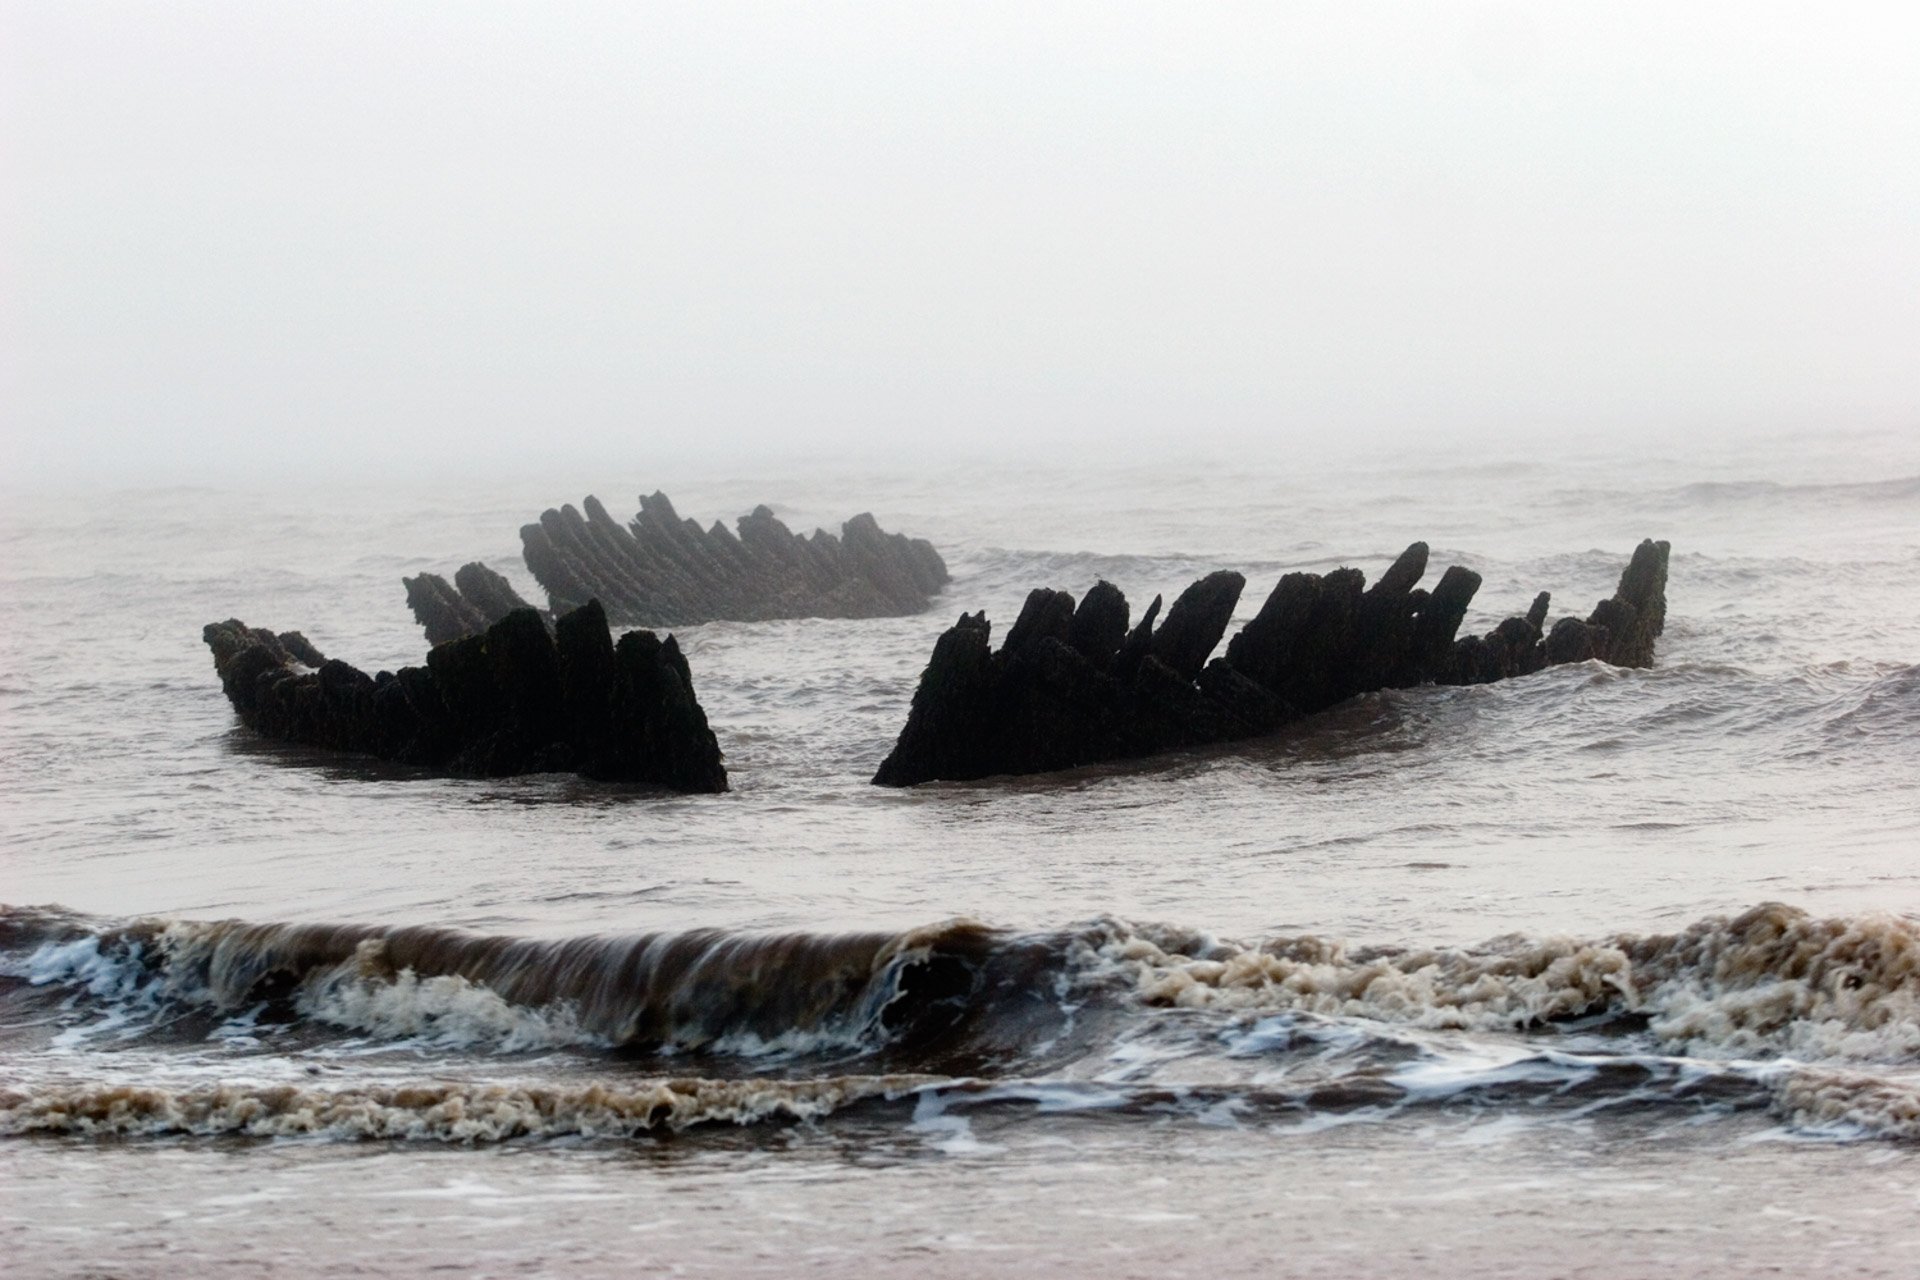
[[239, 233]]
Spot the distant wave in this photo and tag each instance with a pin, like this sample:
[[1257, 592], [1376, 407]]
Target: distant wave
[[1886, 711], [1902, 489], [1720, 707]]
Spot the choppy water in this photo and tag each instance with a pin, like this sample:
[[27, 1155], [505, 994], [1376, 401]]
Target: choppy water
[[1595, 971]]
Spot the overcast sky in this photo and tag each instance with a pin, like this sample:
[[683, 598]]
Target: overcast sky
[[384, 233]]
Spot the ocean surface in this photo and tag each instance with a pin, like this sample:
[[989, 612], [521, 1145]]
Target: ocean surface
[[1595, 972]]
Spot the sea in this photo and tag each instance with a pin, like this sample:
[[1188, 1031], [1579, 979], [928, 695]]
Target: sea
[[1595, 972]]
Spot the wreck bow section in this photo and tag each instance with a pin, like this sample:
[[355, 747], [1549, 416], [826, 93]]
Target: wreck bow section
[[512, 699], [1074, 684]]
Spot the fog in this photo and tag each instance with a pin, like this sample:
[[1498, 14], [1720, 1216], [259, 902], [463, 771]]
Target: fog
[[254, 239]]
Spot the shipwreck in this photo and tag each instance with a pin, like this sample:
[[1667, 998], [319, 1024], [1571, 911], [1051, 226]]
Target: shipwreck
[[511, 698], [1075, 683], [662, 570]]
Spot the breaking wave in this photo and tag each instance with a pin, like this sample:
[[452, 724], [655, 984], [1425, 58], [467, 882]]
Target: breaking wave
[[704, 990], [1813, 1021], [1772, 981]]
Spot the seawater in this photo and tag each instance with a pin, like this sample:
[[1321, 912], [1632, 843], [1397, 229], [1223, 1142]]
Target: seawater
[[1592, 972]]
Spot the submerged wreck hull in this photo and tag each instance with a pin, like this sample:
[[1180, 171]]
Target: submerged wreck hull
[[659, 570], [475, 600], [512, 699], [1073, 685]]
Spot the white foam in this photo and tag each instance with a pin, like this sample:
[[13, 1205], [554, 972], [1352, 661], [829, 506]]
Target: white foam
[[950, 1132], [1773, 981], [1844, 1104], [445, 1011], [433, 1111]]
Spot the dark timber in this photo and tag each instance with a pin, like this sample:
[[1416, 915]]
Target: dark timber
[[659, 570], [662, 570], [514, 698], [1072, 685], [475, 600]]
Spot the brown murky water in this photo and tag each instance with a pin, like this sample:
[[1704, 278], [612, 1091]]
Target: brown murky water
[[1463, 981]]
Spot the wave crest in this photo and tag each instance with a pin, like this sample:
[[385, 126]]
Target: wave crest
[[702, 989], [1771, 982]]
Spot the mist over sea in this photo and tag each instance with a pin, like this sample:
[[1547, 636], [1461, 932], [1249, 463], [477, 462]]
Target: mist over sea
[[1595, 971]]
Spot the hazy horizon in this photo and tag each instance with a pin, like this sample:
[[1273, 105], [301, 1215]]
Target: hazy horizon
[[378, 240]]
